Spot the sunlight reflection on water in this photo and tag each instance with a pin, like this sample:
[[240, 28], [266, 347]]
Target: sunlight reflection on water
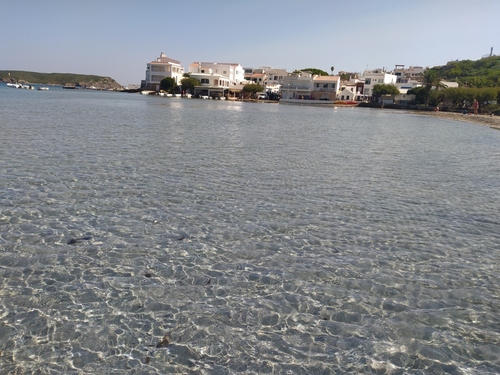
[[221, 238]]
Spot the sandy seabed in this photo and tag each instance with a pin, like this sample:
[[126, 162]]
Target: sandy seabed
[[488, 120]]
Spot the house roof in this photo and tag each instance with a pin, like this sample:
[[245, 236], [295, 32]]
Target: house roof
[[326, 78], [165, 59], [196, 63]]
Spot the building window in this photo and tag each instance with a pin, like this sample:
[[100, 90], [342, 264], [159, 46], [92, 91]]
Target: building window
[[203, 70], [368, 81], [317, 85], [333, 86], [204, 80]]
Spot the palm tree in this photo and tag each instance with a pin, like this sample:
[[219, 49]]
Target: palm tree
[[431, 79], [332, 69]]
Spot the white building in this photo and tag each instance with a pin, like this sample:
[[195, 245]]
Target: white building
[[254, 75], [232, 71], [348, 93], [411, 73], [297, 86], [377, 77], [161, 68], [269, 78], [325, 88], [273, 79], [313, 88], [212, 85], [448, 84], [351, 90]]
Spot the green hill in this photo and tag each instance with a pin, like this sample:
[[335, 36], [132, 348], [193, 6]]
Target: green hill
[[58, 79], [480, 73]]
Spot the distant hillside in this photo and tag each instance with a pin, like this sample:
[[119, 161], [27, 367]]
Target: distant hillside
[[58, 79], [480, 73]]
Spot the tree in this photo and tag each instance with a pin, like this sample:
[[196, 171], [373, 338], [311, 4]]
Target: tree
[[346, 76], [168, 84], [385, 89], [485, 95], [252, 89], [188, 83], [466, 71], [431, 79], [315, 71], [420, 94], [332, 69]]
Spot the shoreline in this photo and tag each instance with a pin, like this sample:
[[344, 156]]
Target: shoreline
[[486, 120]]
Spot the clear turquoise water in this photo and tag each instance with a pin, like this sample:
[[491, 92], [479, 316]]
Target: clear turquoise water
[[257, 238]]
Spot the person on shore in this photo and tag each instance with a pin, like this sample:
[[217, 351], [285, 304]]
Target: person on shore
[[475, 105]]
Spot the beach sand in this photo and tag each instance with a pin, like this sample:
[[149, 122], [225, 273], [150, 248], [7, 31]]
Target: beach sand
[[487, 120]]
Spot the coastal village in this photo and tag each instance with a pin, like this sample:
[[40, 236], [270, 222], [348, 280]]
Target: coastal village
[[454, 97], [218, 80]]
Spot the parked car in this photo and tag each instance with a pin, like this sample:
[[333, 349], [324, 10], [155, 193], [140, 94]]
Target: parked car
[[262, 96]]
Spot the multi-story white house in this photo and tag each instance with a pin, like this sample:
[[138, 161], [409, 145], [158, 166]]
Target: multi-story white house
[[269, 78], [161, 68], [305, 86], [273, 79], [325, 87], [212, 84], [377, 77], [297, 86], [255, 75], [411, 73], [232, 71]]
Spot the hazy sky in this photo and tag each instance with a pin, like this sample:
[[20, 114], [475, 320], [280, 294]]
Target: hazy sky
[[117, 38]]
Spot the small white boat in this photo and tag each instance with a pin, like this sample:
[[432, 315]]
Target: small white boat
[[43, 88], [147, 92], [13, 85]]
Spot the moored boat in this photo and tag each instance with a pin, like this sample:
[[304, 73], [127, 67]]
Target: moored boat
[[345, 102]]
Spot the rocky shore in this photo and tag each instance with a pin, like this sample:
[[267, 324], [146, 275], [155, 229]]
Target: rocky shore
[[491, 121]]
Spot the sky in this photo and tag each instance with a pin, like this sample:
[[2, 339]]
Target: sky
[[117, 38]]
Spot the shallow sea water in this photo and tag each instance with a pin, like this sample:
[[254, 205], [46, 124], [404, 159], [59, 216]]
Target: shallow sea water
[[147, 235]]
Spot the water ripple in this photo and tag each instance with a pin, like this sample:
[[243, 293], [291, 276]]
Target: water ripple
[[223, 238]]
